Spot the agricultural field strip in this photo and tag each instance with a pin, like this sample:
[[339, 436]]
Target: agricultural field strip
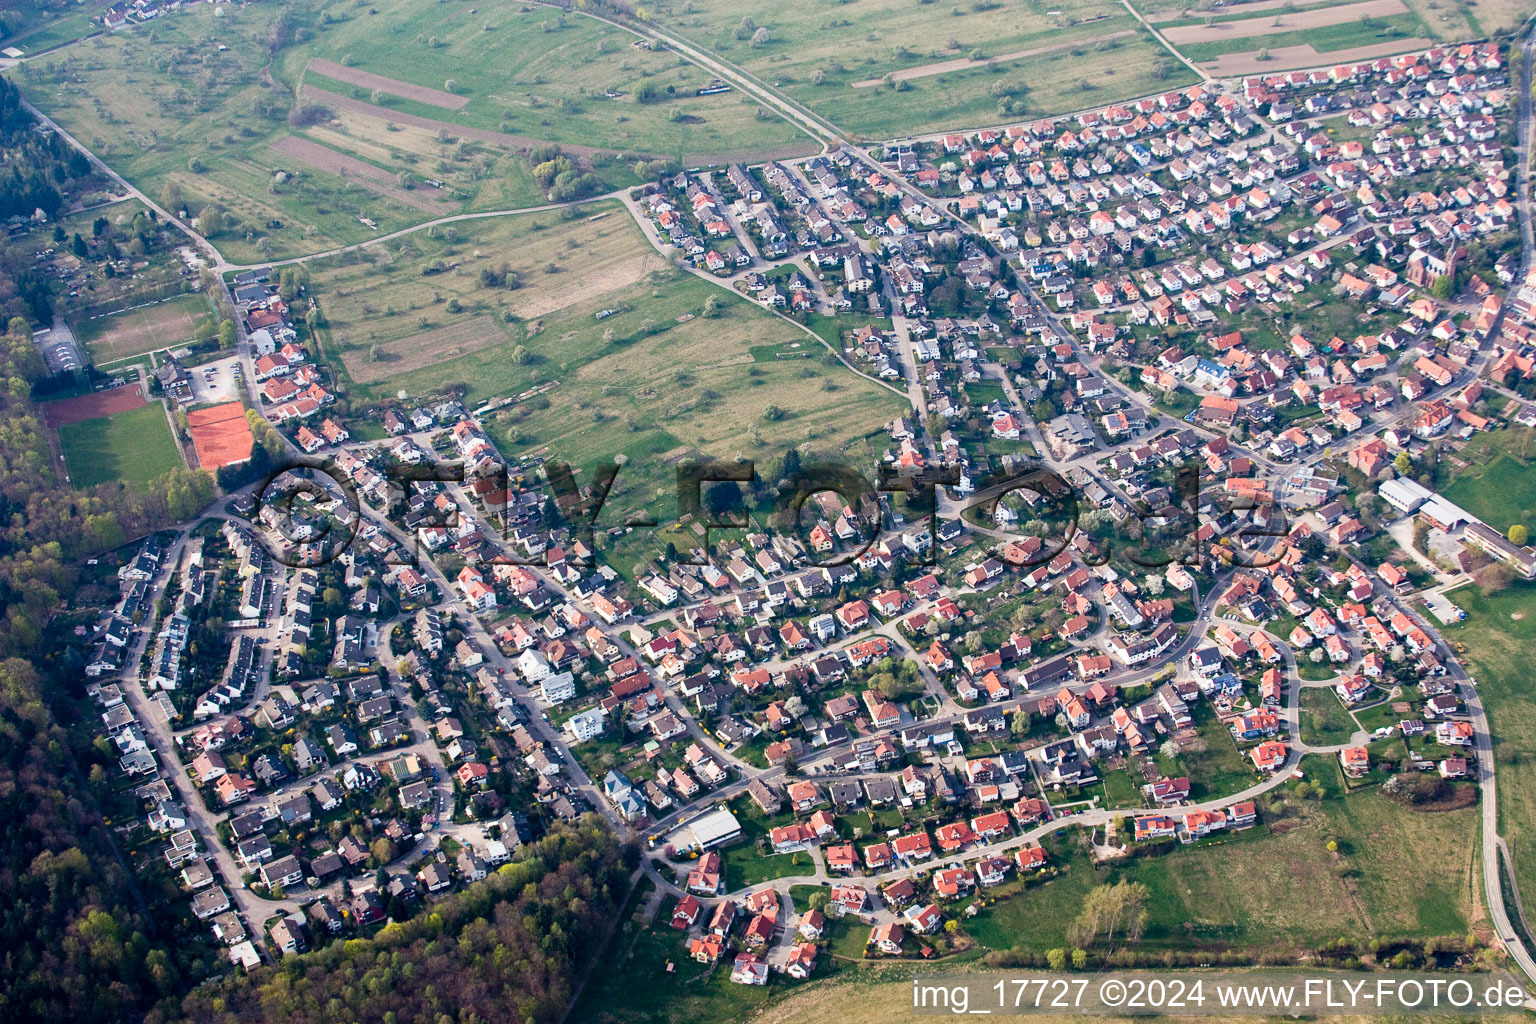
[[964, 63], [349, 168], [405, 90], [425, 349], [1288, 22], [1292, 58], [326, 97]]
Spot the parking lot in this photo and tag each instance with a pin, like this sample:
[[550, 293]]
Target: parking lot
[[60, 351], [215, 382]]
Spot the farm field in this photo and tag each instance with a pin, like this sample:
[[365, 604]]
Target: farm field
[[1170, 15], [1498, 632], [190, 124], [1291, 38], [1280, 22], [133, 445], [652, 379], [1256, 890], [147, 328], [536, 74], [1445, 20], [194, 111], [823, 56]]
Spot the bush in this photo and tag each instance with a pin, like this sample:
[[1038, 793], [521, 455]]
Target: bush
[[305, 114]]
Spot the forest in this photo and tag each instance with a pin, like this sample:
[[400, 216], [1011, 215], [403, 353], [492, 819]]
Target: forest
[[81, 938], [81, 942], [510, 948]]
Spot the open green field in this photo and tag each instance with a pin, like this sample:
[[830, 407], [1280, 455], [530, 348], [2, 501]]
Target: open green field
[[952, 64], [135, 445], [1499, 631], [1501, 494], [197, 102], [159, 325], [1261, 891], [1323, 38], [531, 72], [654, 379], [32, 27], [1498, 484], [1324, 722]]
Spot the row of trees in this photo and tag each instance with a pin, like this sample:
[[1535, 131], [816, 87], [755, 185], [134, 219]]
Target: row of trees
[[79, 940], [42, 167]]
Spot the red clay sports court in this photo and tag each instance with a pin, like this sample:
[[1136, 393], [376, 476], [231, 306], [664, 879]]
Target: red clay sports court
[[220, 434]]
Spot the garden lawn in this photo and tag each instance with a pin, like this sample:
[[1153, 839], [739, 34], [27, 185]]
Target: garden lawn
[[1501, 493], [1324, 722]]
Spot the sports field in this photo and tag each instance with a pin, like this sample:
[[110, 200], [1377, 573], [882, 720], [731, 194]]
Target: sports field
[[220, 435], [86, 407], [135, 445], [147, 328]]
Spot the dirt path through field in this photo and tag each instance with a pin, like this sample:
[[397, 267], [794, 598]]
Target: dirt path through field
[[961, 63], [1289, 21], [374, 179], [405, 90]]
